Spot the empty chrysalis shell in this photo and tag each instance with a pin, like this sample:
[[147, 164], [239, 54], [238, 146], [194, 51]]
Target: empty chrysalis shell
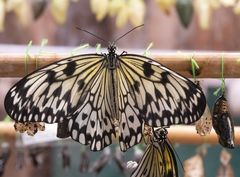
[[30, 127], [204, 124], [222, 123]]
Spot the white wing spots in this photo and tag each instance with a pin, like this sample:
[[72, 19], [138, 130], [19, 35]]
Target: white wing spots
[[158, 123], [186, 120], [74, 134], [13, 89], [82, 138], [165, 121], [36, 117], [30, 117], [176, 120], [49, 119], [43, 117], [13, 93], [132, 141]]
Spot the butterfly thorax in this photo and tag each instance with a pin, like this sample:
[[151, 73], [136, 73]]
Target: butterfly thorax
[[111, 57]]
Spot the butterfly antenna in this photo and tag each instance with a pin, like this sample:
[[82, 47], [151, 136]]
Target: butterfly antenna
[[127, 33], [91, 34]]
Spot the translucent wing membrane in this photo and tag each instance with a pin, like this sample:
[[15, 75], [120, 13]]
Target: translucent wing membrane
[[162, 96]]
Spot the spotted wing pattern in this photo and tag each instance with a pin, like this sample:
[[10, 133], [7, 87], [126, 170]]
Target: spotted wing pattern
[[162, 96], [74, 88]]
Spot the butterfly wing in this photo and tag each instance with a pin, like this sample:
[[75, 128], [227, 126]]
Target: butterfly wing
[[162, 96], [150, 163], [158, 160], [169, 159], [74, 88]]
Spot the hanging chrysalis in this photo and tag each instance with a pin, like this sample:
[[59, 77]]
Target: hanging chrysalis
[[185, 11], [30, 127], [222, 123], [204, 124], [38, 7], [225, 169], [193, 167]]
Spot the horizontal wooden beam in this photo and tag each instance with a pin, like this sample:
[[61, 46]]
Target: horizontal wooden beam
[[15, 65], [184, 134]]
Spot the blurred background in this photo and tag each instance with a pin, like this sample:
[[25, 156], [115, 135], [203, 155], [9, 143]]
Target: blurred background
[[171, 25]]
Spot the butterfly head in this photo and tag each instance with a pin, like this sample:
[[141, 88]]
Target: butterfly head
[[112, 48]]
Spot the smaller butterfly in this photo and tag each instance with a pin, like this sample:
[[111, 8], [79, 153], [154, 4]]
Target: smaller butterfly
[[158, 159]]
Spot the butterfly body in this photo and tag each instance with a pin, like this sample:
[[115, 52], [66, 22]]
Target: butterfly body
[[98, 92]]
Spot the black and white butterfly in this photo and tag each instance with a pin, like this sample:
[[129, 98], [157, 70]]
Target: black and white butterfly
[[158, 159], [98, 92]]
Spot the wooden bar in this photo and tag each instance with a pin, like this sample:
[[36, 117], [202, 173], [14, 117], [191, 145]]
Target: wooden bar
[[184, 134], [13, 65]]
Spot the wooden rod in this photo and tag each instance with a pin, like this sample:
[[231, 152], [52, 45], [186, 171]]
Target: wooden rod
[[184, 134], [14, 65]]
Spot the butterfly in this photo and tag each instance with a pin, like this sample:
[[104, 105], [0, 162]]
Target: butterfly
[[158, 159], [100, 94]]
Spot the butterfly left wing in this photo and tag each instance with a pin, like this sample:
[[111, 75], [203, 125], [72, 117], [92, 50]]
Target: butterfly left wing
[[74, 88], [161, 95]]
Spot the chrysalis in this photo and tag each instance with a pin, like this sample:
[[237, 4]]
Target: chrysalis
[[30, 127], [222, 123], [204, 124]]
